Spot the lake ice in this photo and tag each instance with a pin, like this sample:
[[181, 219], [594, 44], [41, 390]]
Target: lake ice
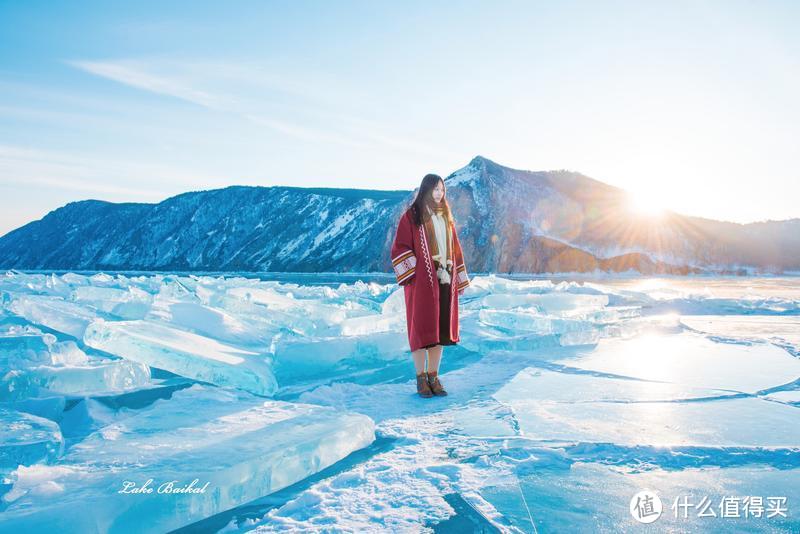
[[294, 400]]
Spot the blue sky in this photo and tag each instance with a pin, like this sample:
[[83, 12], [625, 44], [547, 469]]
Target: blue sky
[[689, 104]]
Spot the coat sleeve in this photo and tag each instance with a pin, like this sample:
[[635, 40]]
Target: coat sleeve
[[404, 259], [461, 277]]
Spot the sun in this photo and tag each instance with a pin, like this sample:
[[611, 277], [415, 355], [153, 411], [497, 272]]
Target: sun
[[646, 203]]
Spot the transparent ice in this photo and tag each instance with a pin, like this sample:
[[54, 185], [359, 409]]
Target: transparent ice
[[294, 398]]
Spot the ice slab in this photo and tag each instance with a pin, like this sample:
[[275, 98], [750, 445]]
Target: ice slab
[[601, 409], [272, 319], [89, 415], [74, 279], [98, 377], [55, 313], [532, 321], [694, 360], [480, 337], [482, 333], [238, 447], [300, 359], [556, 303], [784, 328], [46, 407], [68, 353], [27, 439], [38, 284], [371, 324], [125, 303], [184, 353], [306, 314], [286, 302], [211, 322], [21, 346]]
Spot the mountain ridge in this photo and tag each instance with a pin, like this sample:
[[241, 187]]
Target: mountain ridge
[[509, 220]]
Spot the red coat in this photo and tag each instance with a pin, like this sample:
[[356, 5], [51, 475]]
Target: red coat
[[416, 272]]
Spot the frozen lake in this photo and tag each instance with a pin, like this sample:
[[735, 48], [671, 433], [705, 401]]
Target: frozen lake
[[289, 399]]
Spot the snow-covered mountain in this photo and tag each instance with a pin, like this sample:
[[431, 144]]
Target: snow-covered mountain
[[549, 221], [232, 229], [509, 221]]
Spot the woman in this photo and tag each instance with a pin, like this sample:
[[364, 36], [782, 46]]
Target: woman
[[429, 264]]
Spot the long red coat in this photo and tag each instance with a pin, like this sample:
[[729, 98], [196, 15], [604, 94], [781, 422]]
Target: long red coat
[[415, 271]]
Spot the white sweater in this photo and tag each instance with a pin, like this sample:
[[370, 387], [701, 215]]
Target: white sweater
[[440, 228]]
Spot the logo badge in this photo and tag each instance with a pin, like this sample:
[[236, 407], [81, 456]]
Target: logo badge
[[645, 506]]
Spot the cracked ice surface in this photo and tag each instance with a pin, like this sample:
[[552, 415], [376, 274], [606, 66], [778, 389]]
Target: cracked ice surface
[[566, 399]]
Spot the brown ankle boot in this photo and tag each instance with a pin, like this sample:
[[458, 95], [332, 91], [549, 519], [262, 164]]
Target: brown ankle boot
[[435, 384], [423, 388]]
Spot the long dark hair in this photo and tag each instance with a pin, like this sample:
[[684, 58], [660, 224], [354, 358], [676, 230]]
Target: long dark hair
[[425, 198]]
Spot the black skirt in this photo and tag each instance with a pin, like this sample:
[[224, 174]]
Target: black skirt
[[444, 316]]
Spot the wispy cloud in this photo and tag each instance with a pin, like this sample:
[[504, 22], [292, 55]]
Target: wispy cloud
[[246, 89], [72, 172], [135, 75]]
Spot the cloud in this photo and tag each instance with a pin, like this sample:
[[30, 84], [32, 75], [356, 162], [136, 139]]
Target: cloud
[[256, 93], [25, 166], [135, 75]]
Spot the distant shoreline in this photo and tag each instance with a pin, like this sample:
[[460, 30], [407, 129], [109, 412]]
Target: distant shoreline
[[388, 277]]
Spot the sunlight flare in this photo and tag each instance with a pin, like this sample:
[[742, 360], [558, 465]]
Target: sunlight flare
[[646, 203]]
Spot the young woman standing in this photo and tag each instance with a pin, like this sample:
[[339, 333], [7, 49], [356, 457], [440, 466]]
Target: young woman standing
[[429, 263]]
